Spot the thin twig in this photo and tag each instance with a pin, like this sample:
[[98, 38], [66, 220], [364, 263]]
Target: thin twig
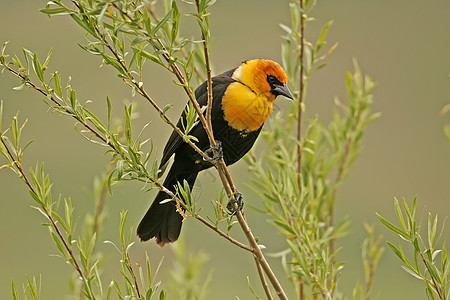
[[299, 119], [101, 200], [228, 183], [181, 79], [435, 285], [151, 179], [152, 12], [300, 96], [223, 234], [221, 166], [205, 39], [49, 216], [263, 279], [130, 268]]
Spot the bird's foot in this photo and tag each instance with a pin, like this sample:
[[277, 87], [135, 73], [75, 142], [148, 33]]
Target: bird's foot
[[238, 199], [215, 153]]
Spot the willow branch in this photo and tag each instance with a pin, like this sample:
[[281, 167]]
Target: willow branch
[[435, 285], [128, 160], [49, 216], [263, 279], [300, 96], [260, 260], [178, 74]]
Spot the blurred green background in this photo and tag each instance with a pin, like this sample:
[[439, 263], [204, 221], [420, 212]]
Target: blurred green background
[[403, 45]]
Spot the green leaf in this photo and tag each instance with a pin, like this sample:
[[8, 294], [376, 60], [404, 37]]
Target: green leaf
[[55, 11], [396, 250], [392, 227], [152, 57], [14, 292], [113, 62], [38, 68], [123, 221], [399, 214], [119, 168], [162, 22], [84, 24], [284, 226], [59, 244], [162, 295], [128, 130], [57, 81], [175, 22], [147, 21], [167, 107], [108, 105], [412, 273], [44, 66], [36, 198], [73, 99], [61, 221], [432, 228], [20, 87]]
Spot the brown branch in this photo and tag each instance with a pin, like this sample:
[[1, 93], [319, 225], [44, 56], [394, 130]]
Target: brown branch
[[221, 166], [181, 79], [152, 12], [151, 179], [435, 285], [263, 279], [300, 96], [49, 216], [130, 269], [300, 110], [227, 181], [205, 39], [223, 234], [101, 200]]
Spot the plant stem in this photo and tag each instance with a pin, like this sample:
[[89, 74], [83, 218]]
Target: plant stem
[[223, 234], [435, 285], [300, 97], [299, 119], [51, 219], [130, 269], [263, 279], [228, 183]]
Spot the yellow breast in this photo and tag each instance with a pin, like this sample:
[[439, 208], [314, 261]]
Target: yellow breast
[[245, 110]]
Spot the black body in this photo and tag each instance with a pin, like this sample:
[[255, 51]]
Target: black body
[[162, 221]]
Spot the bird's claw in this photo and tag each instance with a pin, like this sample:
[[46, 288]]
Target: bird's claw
[[238, 199], [218, 150]]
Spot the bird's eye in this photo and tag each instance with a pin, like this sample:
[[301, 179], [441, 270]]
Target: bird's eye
[[272, 80]]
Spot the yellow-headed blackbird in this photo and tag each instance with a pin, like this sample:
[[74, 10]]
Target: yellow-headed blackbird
[[242, 102]]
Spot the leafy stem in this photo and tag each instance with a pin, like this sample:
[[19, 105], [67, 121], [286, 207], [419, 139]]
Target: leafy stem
[[16, 163]]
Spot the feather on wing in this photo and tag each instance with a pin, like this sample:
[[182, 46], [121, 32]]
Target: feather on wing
[[220, 84]]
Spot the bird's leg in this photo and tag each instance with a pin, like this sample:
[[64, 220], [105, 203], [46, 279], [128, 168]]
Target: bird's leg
[[215, 153], [238, 199]]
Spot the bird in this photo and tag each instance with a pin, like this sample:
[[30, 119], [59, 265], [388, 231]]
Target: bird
[[242, 101]]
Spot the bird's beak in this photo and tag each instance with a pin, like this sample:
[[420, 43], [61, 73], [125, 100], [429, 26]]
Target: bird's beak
[[283, 90]]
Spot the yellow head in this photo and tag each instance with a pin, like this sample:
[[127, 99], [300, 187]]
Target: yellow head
[[247, 103], [263, 76]]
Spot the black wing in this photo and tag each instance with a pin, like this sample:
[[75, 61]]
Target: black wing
[[220, 84]]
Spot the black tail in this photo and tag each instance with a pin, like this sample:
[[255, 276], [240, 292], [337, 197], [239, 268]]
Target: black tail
[[162, 221]]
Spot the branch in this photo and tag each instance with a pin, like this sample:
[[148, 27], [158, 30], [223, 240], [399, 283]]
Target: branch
[[435, 285], [76, 265], [260, 260], [263, 279], [221, 166], [113, 147], [223, 234], [300, 96]]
